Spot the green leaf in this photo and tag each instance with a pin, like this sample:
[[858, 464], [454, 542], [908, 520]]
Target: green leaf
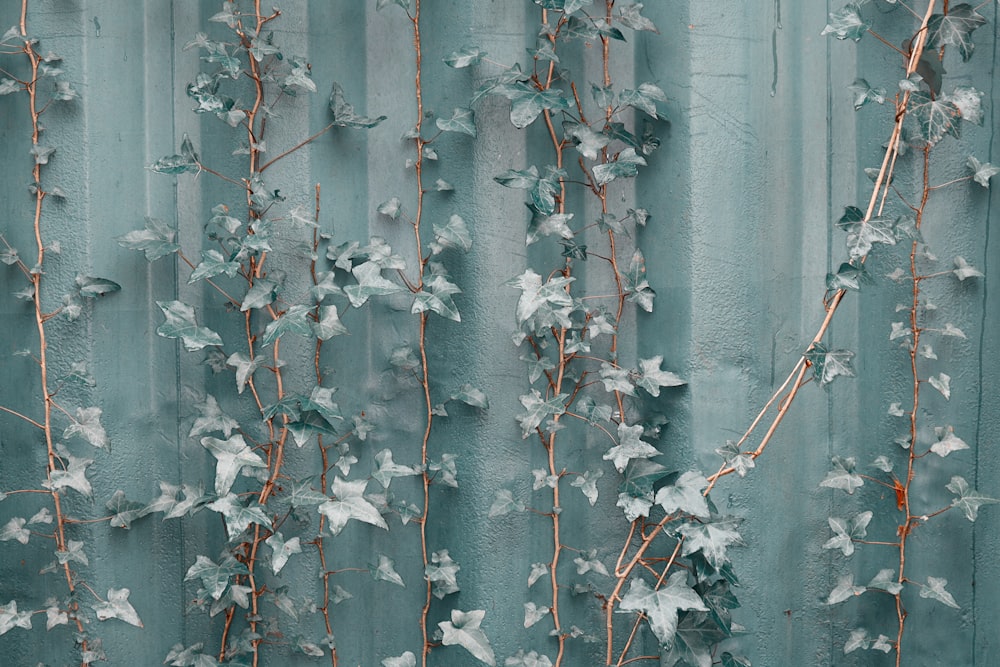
[[968, 499], [533, 613], [982, 172], [955, 29], [969, 102], [616, 379], [829, 364], [629, 447], [504, 503], [844, 590], [442, 572], [684, 494], [436, 297], [370, 283], [637, 288], [934, 589], [625, 165], [117, 606], [328, 325], [462, 120], [444, 470], [587, 141], [343, 113], [846, 23], [661, 605], [546, 304], [464, 57], [861, 233], [630, 17], [643, 98], [652, 377], [173, 165], [843, 475], [740, 462], [156, 240], [349, 503], [405, 660], [538, 408], [124, 511], [11, 618], [530, 659], [42, 153], [941, 382], [947, 442], [470, 396], [245, 368], [590, 563], [73, 476], [386, 469], [886, 580], [463, 630], [639, 477], [587, 482], [934, 117], [87, 425], [238, 516], [864, 93], [299, 77], [846, 532], [527, 102], [180, 323], [453, 234], [385, 570], [212, 264], [542, 224], [15, 530], [232, 455], [91, 287], [260, 295], [295, 320], [850, 275], [215, 576]]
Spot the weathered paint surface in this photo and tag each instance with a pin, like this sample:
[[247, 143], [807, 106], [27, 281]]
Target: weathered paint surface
[[762, 151]]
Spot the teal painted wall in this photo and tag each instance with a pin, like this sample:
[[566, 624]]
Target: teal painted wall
[[761, 153]]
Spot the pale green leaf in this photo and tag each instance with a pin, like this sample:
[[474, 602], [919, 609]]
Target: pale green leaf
[[232, 455], [180, 323], [934, 589], [442, 572], [349, 503], [385, 570], [463, 630], [661, 605], [117, 606]]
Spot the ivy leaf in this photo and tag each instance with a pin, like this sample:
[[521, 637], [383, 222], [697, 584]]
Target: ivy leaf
[[504, 503], [643, 98], [453, 234], [15, 530], [637, 288], [538, 408], [625, 165], [260, 295], [616, 379], [861, 233], [864, 93], [462, 120], [282, 550], [124, 511], [969, 102], [530, 659], [405, 660], [850, 275], [438, 298], [934, 589], [212, 419], [935, 117], [386, 469], [886, 580], [212, 264], [215, 576], [586, 140], [11, 618], [73, 554], [173, 165], [845, 533], [587, 482], [180, 323], [442, 572], [370, 283], [968, 499], [463, 630], [527, 102], [232, 455], [533, 613], [629, 447], [542, 224], [634, 506], [740, 462], [190, 656], [349, 503], [386, 571], [590, 564], [87, 425], [238, 516], [651, 377], [829, 364], [343, 113], [661, 606], [639, 477], [982, 172], [629, 16], [118, 606], [328, 325], [295, 320], [465, 57], [846, 23], [844, 590], [712, 540], [843, 475], [955, 29], [471, 396], [91, 287], [684, 495], [941, 382], [156, 240], [74, 476], [947, 442]]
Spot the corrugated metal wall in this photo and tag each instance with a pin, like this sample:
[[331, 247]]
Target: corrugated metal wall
[[761, 153]]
